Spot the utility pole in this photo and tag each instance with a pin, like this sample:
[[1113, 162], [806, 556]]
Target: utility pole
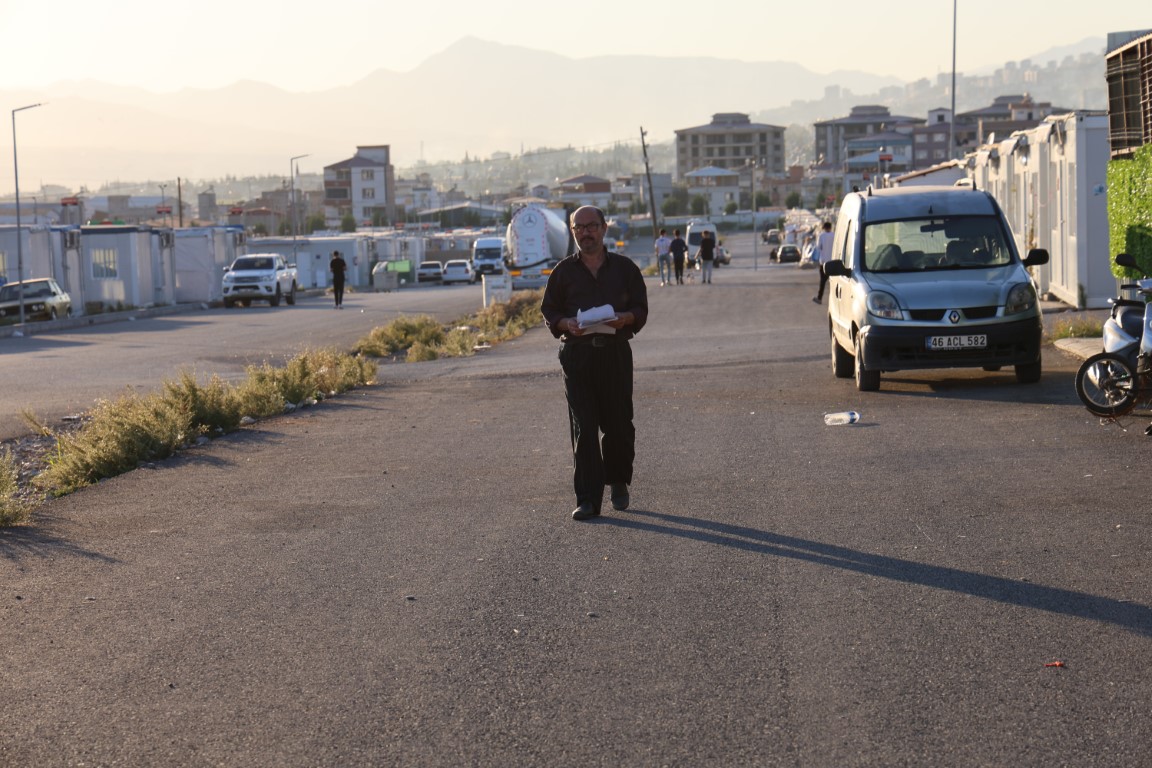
[[651, 194]]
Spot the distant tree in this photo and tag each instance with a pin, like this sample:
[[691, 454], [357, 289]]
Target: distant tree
[[612, 209], [671, 206], [763, 200], [794, 200], [699, 205], [348, 223], [731, 208], [637, 208], [260, 230], [315, 223]]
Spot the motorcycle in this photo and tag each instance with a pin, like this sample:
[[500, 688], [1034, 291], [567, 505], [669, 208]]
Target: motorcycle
[[1111, 383]]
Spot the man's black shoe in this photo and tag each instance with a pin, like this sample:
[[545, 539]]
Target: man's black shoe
[[585, 511], [620, 496]]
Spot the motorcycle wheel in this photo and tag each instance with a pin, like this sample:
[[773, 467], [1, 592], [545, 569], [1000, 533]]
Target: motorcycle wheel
[[1108, 385]]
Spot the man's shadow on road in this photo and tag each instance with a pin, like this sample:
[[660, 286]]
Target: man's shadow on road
[[1129, 615]]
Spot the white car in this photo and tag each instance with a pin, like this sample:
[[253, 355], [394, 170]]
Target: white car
[[430, 272], [458, 271]]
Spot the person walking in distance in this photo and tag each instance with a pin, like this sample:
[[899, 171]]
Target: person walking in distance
[[823, 256], [679, 250], [706, 253], [664, 257], [338, 267], [597, 359]]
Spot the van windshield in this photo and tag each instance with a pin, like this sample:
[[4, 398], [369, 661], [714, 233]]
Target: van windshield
[[487, 253], [919, 245]]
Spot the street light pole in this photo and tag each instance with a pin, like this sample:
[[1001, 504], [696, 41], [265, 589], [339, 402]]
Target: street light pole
[[163, 201], [292, 199], [16, 178]]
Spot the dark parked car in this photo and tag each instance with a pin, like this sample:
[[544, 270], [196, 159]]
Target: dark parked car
[[787, 252], [43, 300]]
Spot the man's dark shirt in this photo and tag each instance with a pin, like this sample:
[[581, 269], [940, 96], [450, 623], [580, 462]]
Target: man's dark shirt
[[571, 288], [678, 248], [338, 266], [707, 248]]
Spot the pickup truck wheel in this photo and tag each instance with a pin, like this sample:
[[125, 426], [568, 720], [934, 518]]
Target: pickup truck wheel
[[291, 298], [275, 300]]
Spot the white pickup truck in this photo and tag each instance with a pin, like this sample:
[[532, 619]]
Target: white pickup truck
[[259, 277]]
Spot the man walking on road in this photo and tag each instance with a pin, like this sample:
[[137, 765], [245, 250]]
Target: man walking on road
[[597, 359], [338, 267], [823, 256], [664, 256]]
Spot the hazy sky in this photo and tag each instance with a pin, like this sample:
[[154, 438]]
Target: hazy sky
[[211, 43]]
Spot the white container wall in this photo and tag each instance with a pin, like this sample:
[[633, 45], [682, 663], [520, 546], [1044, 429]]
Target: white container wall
[[1051, 182]]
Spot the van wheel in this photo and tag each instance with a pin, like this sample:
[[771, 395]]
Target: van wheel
[[841, 360], [1029, 373], [866, 381]]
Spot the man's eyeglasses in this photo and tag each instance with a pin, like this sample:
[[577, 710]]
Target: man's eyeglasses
[[590, 227]]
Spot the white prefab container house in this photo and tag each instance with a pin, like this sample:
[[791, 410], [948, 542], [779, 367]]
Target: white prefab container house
[[1051, 182]]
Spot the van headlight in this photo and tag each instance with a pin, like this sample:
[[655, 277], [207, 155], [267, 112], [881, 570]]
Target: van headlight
[[884, 305], [1021, 298]]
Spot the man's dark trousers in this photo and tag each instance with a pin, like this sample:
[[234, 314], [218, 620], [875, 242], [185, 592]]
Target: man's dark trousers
[[598, 383]]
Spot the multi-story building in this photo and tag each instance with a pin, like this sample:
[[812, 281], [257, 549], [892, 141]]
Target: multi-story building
[[718, 186], [730, 141], [931, 141], [1005, 115], [362, 186], [833, 136]]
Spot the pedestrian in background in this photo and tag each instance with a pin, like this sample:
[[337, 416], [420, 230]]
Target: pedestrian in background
[[597, 360], [706, 253], [679, 250], [338, 267], [664, 256], [823, 256]]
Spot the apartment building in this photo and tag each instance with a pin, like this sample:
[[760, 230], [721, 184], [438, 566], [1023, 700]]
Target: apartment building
[[862, 123], [363, 186], [730, 141]]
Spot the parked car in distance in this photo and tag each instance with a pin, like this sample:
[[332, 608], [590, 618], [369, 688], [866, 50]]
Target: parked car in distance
[[458, 271], [787, 252], [43, 300], [722, 255], [929, 277], [430, 272]]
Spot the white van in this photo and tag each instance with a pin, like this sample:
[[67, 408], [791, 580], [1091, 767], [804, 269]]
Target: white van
[[488, 256], [929, 277]]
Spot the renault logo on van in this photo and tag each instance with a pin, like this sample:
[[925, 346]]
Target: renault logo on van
[[954, 316]]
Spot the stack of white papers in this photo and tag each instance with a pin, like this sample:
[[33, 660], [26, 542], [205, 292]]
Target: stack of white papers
[[595, 320]]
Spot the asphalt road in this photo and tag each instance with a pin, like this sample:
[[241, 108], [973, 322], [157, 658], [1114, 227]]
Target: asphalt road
[[391, 578], [60, 369]]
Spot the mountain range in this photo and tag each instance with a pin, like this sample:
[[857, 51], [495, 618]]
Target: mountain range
[[473, 98]]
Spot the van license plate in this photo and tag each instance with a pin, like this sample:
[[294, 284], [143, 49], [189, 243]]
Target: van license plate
[[969, 341]]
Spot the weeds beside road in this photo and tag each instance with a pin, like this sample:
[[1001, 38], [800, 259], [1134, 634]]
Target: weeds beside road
[[118, 436]]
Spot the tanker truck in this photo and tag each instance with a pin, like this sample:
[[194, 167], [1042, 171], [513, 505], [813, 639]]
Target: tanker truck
[[537, 240]]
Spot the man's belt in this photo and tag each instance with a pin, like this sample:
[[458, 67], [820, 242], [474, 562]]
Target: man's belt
[[597, 340]]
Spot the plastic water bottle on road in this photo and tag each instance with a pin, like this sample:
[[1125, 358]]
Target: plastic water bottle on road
[[843, 417]]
